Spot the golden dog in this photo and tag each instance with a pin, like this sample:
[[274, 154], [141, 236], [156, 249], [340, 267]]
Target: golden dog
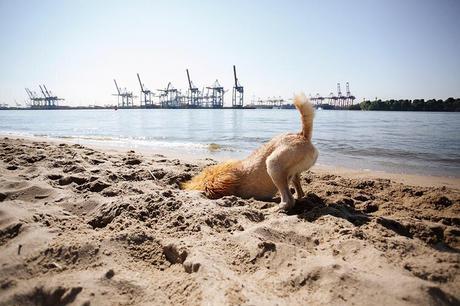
[[268, 169]]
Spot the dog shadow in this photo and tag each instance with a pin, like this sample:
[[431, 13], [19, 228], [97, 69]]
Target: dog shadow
[[311, 207]]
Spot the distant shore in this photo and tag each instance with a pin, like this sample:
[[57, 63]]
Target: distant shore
[[416, 105], [117, 107]]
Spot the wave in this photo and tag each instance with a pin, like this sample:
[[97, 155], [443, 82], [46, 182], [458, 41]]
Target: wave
[[124, 141]]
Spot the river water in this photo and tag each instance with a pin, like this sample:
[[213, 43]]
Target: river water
[[397, 142]]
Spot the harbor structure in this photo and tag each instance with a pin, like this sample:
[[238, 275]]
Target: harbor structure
[[47, 101], [215, 96], [272, 102], [332, 101], [337, 101], [238, 92], [194, 96], [126, 97], [146, 96], [35, 100], [169, 97], [209, 97]]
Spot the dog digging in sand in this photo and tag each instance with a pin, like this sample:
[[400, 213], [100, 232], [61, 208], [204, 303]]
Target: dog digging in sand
[[269, 169]]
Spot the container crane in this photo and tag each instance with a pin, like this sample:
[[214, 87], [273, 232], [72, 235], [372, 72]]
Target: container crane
[[238, 92], [126, 97], [147, 94], [194, 96]]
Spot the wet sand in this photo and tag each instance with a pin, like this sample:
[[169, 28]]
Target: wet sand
[[80, 225]]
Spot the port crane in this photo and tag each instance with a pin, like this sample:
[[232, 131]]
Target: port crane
[[349, 97], [50, 100], [238, 92], [34, 99], [147, 94], [169, 97], [194, 97], [126, 97], [216, 98]]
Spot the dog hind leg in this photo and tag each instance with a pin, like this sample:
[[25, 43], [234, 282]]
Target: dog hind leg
[[297, 186], [280, 179]]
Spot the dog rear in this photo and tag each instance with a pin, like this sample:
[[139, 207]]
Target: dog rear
[[268, 169]]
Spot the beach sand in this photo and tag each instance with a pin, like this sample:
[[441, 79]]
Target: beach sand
[[80, 226]]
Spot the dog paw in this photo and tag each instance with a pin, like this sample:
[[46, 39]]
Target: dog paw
[[285, 206]]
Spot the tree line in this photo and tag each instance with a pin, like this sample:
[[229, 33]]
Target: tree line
[[433, 105]]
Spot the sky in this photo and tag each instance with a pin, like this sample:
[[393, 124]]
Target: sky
[[384, 49]]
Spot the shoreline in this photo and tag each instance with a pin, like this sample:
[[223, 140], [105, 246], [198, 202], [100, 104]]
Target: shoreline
[[403, 178]]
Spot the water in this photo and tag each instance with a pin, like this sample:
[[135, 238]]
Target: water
[[398, 142]]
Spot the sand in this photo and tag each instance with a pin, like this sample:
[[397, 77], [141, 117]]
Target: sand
[[80, 226]]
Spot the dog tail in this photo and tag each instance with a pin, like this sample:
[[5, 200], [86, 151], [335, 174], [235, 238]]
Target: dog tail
[[307, 113], [216, 181]]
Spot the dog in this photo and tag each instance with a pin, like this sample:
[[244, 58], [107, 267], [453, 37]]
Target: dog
[[268, 170]]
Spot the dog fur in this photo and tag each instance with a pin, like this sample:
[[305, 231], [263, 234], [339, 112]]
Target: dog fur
[[268, 169]]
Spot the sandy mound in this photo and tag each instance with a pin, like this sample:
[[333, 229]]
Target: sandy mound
[[83, 227]]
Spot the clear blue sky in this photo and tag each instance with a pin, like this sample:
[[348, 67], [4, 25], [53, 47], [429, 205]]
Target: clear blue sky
[[385, 49]]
